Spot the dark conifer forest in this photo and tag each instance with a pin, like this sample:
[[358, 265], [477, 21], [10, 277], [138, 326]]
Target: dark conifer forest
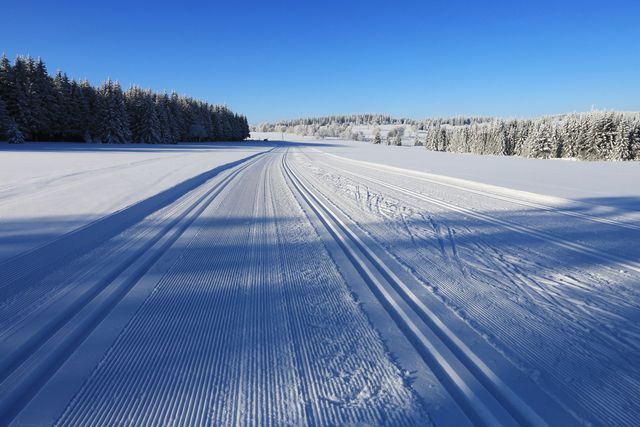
[[36, 106]]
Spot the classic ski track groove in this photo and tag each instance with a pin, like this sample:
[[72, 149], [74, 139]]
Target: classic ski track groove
[[566, 244], [242, 359], [32, 300], [52, 349], [561, 390], [518, 408], [29, 367], [58, 250], [417, 175]]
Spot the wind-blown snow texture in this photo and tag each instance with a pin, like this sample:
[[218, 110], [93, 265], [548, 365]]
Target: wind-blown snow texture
[[313, 283]]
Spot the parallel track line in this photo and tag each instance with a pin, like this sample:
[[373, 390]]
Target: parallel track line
[[519, 201], [28, 368], [576, 247], [501, 391]]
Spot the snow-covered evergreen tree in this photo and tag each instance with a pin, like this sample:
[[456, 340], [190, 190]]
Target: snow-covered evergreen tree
[[89, 108], [62, 114], [622, 140], [41, 98], [143, 117], [634, 138], [14, 134], [541, 141], [113, 126]]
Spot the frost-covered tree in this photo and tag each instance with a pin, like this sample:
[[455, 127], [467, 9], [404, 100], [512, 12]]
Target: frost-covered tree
[[394, 136], [377, 139], [309, 125], [541, 141], [622, 140], [634, 139], [593, 135]]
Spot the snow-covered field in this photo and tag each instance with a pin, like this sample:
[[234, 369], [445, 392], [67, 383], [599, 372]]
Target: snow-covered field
[[318, 283]]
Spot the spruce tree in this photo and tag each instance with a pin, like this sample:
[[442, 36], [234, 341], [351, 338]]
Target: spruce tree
[[14, 135], [143, 116], [62, 113], [622, 141], [113, 127], [634, 136], [5, 120], [18, 103], [89, 124], [41, 99], [7, 91], [541, 141]]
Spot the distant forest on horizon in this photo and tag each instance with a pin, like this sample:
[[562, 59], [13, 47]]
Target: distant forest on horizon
[[595, 135], [36, 106]]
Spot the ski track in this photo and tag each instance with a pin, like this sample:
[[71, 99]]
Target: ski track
[[30, 285], [616, 216], [253, 320], [21, 298], [614, 238], [33, 351], [262, 342], [537, 299], [479, 391]]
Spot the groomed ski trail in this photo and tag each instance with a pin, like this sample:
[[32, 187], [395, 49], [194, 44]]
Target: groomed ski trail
[[252, 324]]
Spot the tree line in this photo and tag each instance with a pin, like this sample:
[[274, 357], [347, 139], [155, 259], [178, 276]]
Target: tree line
[[36, 106], [342, 126], [595, 135]]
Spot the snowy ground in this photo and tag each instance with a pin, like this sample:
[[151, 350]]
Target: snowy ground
[[315, 283], [602, 183]]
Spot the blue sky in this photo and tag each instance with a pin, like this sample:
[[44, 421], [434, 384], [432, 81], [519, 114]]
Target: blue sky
[[284, 59]]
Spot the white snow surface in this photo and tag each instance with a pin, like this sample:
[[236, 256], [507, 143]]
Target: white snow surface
[[49, 189], [599, 182], [315, 283]]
